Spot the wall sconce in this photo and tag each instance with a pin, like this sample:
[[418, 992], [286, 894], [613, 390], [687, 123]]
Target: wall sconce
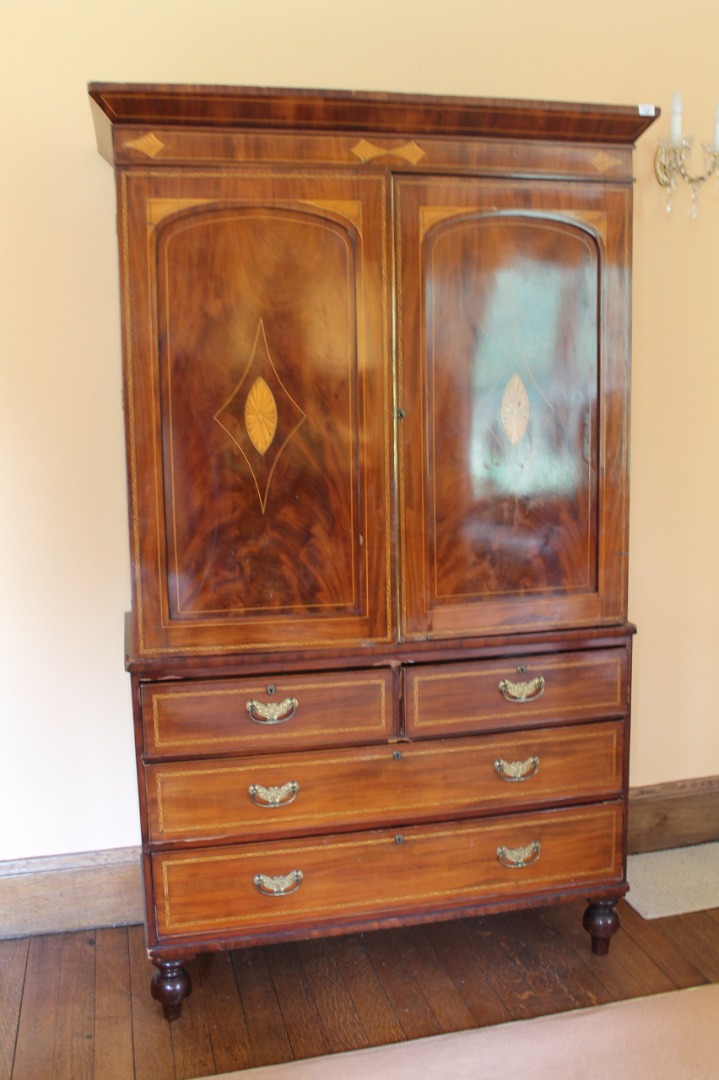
[[672, 159]]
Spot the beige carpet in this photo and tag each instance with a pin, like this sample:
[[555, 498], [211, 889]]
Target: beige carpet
[[667, 1037], [674, 882]]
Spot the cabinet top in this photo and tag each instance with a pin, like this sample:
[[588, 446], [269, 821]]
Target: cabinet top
[[258, 108]]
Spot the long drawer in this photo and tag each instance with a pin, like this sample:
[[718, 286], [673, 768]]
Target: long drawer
[[329, 790], [252, 715], [252, 889], [485, 694]]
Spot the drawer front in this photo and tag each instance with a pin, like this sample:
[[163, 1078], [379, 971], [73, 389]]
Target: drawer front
[[260, 715], [486, 694], [296, 884], [330, 790]]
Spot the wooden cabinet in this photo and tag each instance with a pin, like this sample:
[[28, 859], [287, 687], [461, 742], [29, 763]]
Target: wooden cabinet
[[376, 359]]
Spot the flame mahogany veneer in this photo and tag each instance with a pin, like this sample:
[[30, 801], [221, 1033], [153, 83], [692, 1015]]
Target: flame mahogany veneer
[[376, 363]]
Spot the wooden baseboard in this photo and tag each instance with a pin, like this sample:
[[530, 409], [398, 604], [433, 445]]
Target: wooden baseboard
[[104, 888], [673, 815], [70, 892]]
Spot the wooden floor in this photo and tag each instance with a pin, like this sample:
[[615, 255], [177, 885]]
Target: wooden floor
[[76, 1006]]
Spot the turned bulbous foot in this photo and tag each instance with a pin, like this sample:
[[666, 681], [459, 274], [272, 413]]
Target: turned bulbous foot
[[170, 986], [601, 922]]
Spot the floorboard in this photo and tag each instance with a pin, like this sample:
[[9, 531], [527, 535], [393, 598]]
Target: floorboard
[[113, 1006], [13, 962], [269, 1041], [444, 998], [480, 998], [77, 1005], [152, 1041], [372, 1005], [303, 1022], [341, 1024], [388, 951], [496, 968], [666, 954], [35, 1049], [191, 1040], [527, 943], [75, 1016], [578, 962], [697, 938], [225, 1016]]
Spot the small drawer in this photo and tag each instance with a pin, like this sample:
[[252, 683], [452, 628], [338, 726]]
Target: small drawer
[[327, 791], [495, 694], [258, 715], [295, 885]]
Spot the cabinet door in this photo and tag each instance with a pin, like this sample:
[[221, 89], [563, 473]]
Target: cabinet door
[[258, 397], [513, 331]]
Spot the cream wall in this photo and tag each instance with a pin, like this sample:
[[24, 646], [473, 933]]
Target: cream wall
[[66, 759]]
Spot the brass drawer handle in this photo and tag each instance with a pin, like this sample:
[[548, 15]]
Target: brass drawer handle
[[516, 858], [514, 772], [522, 691], [274, 796], [272, 713], [281, 885]]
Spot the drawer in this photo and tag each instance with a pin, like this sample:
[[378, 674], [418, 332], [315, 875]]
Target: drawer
[[258, 715], [364, 787], [455, 698], [291, 885]]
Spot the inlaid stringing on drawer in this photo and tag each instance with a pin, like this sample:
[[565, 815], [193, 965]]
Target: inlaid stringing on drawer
[[372, 786], [371, 874], [445, 699], [324, 709]]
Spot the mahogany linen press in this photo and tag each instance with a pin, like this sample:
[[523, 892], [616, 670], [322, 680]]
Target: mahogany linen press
[[376, 371]]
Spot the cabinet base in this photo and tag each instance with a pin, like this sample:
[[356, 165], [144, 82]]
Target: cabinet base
[[171, 983]]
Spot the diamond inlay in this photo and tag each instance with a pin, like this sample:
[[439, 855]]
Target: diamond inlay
[[147, 144], [604, 162], [514, 410], [260, 415]]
